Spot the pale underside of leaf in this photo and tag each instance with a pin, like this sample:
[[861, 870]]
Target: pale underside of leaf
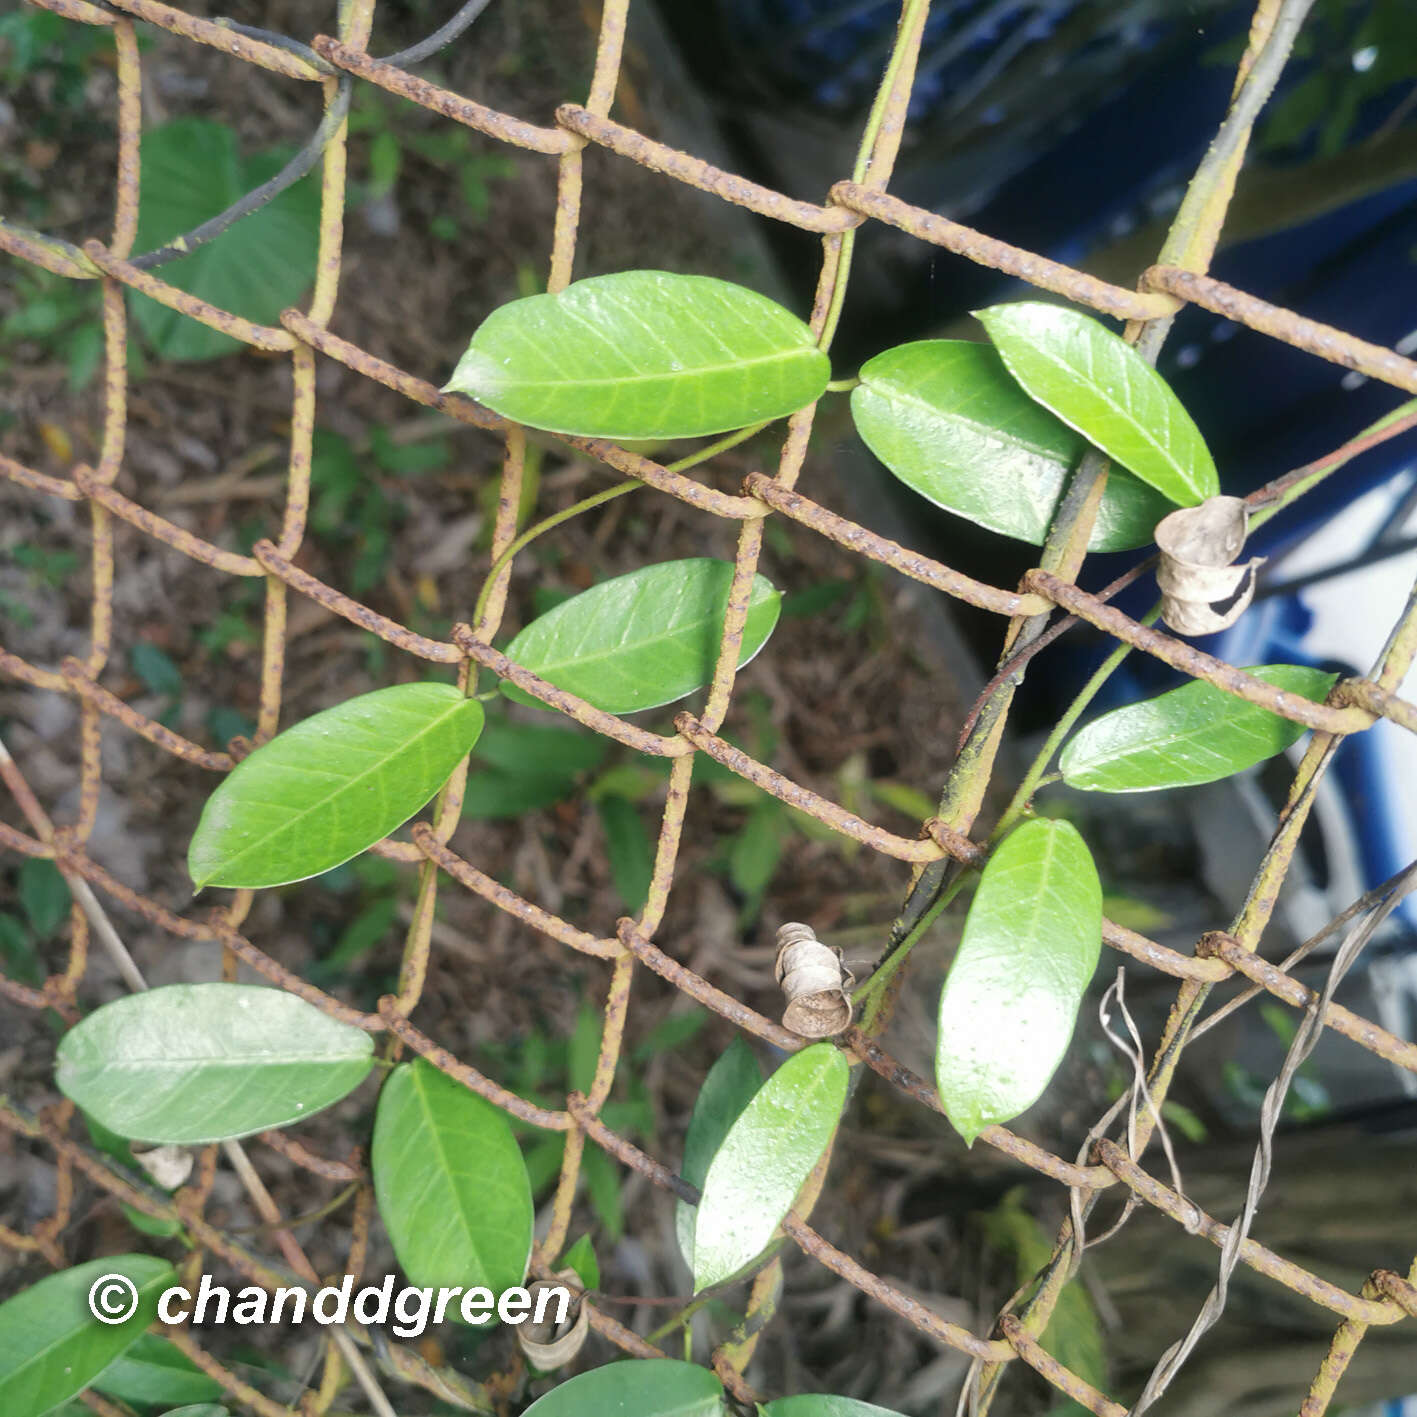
[[192, 1063], [1030, 946]]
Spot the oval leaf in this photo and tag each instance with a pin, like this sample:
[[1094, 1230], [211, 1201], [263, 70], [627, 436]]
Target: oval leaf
[[52, 1347], [1097, 383], [451, 1184], [195, 1063], [644, 1387], [948, 420], [642, 354], [332, 786], [1030, 945], [730, 1086], [643, 639], [1187, 736], [764, 1160], [155, 1371], [819, 1405]]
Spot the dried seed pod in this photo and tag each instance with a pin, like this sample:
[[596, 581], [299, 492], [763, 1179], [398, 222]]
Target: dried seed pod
[[814, 981], [1201, 592], [549, 1345]]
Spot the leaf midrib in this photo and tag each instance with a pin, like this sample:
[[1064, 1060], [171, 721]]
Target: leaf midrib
[[989, 431], [684, 629], [1131, 419], [695, 371], [68, 1336]]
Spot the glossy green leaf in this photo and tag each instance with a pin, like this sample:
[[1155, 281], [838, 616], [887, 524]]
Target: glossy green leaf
[[332, 786], [642, 354], [643, 639], [52, 1347], [1011, 997], [1097, 383], [191, 170], [192, 1063], [450, 1181], [764, 1160], [731, 1084], [948, 420], [154, 1371], [813, 1404], [1190, 735], [639, 1387]]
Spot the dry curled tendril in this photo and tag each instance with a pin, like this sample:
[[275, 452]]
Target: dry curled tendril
[[814, 982], [1201, 590]]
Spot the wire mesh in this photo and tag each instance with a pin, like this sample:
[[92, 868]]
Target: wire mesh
[[304, 337]]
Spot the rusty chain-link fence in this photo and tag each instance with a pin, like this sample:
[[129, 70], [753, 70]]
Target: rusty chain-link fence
[[943, 847]]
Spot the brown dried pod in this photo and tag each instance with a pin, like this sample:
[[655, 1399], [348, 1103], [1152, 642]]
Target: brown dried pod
[[549, 1345], [1201, 591], [814, 981]]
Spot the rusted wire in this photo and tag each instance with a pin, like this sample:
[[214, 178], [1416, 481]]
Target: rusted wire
[[304, 337]]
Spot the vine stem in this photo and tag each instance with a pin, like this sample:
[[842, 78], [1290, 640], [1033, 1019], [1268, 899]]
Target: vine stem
[[880, 140], [1034, 778], [597, 499]]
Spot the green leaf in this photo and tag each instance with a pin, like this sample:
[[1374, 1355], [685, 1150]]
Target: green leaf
[[44, 895], [520, 767], [730, 1086], [152, 1225], [581, 1258], [192, 1063], [1030, 945], [192, 170], [643, 354], [1074, 1332], [154, 1371], [450, 1181], [642, 1387], [1097, 383], [643, 639], [946, 418], [630, 850], [332, 786], [1190, 735], [51, 1346], [819, 1405], [604, 1190], [764, 1160]]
